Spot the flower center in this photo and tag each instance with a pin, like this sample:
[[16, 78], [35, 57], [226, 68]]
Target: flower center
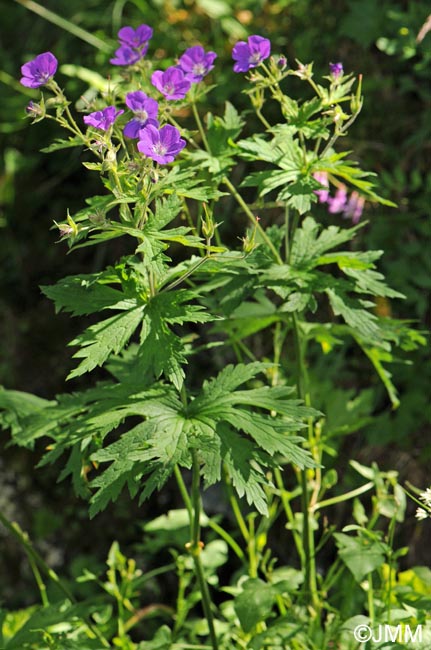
[[255, 58], [199, 69], [42, 75], [169, 89], [160, 149], [142, 115]]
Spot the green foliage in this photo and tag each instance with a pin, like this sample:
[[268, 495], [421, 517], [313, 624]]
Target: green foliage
[[205, 370]]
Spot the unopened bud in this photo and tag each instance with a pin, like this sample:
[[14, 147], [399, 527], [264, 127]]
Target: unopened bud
[[303, 71], [336, 70], [249, 241], [36, 111], [282, 62], [208, 225], [110, 161], [357, 100], [69, 229], [257, 98]]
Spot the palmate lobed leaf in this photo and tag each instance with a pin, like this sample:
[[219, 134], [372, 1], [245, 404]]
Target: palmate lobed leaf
[[310, 242], [151, 448], [271, 436], [99, 341], [87, 294], [241, 440]]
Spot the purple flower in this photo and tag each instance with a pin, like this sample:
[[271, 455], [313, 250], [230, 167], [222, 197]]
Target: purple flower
[[336, 70], [133, 44], [104, 119], [196, 63], [338, 202], [172, 83], [39, 71], [160, 145], [354, 207], [145, 109], [125, 55], [323, 194], [137, 38], [251, 54]]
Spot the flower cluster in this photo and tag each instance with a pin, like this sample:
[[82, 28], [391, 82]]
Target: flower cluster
[[193, 66], [163, 144], [351, 206], [133, 45]]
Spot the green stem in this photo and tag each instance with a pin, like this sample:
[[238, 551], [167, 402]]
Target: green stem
[[251, 547], [391, 534], [344, 497], [287, 246], [339, 133], [370, 596], [200, 126], [183, 491], [263, 119], [237, 511], [196, 547], [187, 274], [289, 515], [40, 583], [310, 577], [252, 218], [227, 538], [334, 572]]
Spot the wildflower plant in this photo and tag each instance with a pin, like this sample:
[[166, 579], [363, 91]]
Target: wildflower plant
[[251, 425]]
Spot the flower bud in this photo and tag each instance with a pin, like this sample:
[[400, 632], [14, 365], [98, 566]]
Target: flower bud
[[110, 161], [69, 229], [36, 111], [357, 100], [281, 62], [208, 225], [303, 71], [336, 70]]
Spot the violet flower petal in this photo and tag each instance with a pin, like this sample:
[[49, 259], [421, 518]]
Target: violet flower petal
[[125, 55], [160, 145], [196, 63], [251, 54], [135, 37], [39, 71], [103, 119], [171, 83]]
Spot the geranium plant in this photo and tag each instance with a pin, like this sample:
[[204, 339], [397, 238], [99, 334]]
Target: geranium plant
[[160, 406]]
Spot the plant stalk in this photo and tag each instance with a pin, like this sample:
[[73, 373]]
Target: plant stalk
[[195, 547]]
